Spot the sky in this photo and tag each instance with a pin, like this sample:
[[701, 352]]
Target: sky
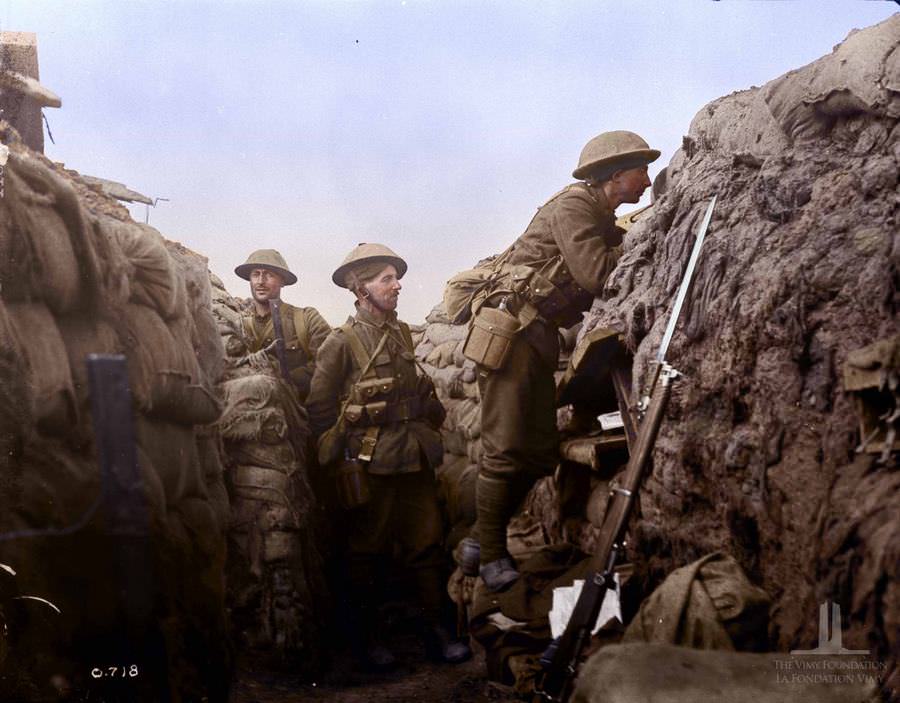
[[436, 128]]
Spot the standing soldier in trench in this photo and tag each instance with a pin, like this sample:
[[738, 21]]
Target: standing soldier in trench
[[304, 328], [271, 589], [380, 419], [564, 258]]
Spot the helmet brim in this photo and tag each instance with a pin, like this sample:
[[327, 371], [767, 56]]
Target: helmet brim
[[340, 274], [244, 271], [647, 156]]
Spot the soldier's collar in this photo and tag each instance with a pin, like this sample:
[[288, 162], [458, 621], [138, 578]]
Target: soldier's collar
[[369, 319], [598, 196]]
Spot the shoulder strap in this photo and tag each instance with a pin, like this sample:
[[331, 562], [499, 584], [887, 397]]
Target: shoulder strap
[[407, 337], [301, 329], [363, 360], [251, 335], [365, 365]]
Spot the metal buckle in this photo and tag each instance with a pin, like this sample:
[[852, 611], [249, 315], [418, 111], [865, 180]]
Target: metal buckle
[[367, 448]]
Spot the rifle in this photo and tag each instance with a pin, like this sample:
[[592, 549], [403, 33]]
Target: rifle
[[275, 307], [560, 660]]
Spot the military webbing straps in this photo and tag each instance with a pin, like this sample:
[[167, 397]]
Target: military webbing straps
[[365, 362], [295, 327]]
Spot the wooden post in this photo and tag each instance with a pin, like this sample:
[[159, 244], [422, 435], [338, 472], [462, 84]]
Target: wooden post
[[21, 96]]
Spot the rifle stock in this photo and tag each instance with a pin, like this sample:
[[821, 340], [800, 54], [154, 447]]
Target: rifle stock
[[560, 661]]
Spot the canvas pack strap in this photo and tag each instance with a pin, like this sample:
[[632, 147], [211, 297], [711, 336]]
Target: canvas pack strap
[[365, 363]]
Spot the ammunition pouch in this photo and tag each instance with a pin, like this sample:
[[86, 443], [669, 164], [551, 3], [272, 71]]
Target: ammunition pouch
[[363, 391], [385, 412], [548, 287]]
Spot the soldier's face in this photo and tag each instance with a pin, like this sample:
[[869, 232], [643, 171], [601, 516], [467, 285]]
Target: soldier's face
[[265, 285], [384, 290], [631, 184]]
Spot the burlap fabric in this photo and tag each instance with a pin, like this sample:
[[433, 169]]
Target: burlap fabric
[[80, 277]]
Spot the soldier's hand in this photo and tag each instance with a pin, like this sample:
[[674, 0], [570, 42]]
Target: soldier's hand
[[257, 360]]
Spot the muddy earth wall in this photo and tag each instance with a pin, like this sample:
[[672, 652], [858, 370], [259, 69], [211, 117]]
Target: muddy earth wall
[[757, 454]]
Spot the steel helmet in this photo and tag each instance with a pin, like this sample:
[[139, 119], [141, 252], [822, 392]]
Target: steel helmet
[[364, 254], [613, 151], [266, 259]]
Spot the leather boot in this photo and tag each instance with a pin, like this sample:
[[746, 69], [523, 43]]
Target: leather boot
[[441, 646]]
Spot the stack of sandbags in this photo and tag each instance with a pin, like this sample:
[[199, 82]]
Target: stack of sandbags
[[76, 281], [439, 354], [276, 588], [758, 454]]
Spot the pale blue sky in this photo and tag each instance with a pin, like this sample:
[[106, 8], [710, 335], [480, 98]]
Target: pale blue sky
[[434, 127]]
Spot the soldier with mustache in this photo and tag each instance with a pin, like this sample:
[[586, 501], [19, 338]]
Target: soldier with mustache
[[378, 415]]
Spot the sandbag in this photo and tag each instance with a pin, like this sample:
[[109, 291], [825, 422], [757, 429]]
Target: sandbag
[[192, 269], [438, 314], [274, 456], [114, 270], [56, 491], [152, 347], [456, 489], [15, 402], [625, 673], [439, 333], [251, 410], [197, 516], [226, 312], [454, 442], [861, 75], [448, 381], [53, 396], [212, 472], [465, 417], [423, 349], [84, 335], [154, 282], [475, 451], [45, 246], [442, 355], [172, 450], [174, 398]]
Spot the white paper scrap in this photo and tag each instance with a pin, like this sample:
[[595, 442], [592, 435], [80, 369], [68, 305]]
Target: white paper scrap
[[610, 421], [565, 598]]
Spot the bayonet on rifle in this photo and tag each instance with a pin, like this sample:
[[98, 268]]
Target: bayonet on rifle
[[560, 661]]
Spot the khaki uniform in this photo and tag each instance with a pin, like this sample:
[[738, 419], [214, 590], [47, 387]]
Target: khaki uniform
[[402, 516], [577, 229], [304, 331]]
